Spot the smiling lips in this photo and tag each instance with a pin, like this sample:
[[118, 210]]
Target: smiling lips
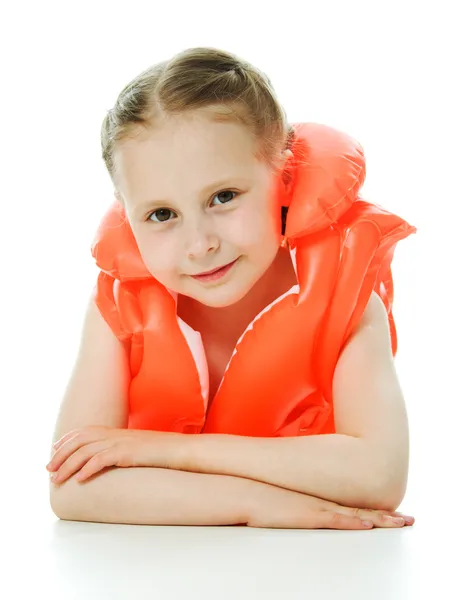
[[215, 274], [212, 271]]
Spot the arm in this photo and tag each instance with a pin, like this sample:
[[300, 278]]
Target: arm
[[151, 496], [97, 393], [154, 496], [364, 464]]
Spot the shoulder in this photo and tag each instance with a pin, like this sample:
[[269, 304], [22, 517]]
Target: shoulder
[[371, 336], [375, 312]]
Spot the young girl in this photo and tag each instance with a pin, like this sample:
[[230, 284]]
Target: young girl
[[196, 148]]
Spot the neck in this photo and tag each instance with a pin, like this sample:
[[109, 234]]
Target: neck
[[231, 321]]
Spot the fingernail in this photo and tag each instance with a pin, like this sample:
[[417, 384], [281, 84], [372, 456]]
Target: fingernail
[[398, 521], [54, 476]]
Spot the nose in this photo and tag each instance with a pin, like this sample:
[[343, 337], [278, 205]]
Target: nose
[[200, 239]]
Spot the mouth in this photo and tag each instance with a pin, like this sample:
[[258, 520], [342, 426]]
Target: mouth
[[215, 273]]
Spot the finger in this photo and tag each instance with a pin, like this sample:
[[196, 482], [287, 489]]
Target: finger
[[64, 451], [378, 518], [409, 520], [96, 430], [64, 438], [335, 520], [387, 518], [96, 464], [77, 460], [72, 442]]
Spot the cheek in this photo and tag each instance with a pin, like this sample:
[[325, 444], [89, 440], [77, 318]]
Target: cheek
[[256, 225], [160, 259]]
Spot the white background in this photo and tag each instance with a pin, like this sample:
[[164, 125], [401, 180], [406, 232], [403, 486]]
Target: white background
[[376, 70]]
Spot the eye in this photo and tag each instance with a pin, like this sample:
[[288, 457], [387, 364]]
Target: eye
[[159, 212], [165, 212], [226, 192]]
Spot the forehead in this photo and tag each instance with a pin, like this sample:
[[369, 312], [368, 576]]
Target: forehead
[[177, 138]]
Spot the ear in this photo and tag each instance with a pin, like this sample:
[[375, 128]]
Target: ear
[[283, 157], [118, 197], [287, 154]]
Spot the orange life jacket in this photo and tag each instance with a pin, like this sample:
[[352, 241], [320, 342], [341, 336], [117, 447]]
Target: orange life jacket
[[278, 381]]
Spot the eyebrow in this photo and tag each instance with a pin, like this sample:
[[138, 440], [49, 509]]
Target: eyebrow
[[209, 188]]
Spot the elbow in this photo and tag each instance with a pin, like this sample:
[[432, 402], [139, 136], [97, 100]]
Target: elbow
[[389, 492], [57, 503], [389, 478], [61, 503]]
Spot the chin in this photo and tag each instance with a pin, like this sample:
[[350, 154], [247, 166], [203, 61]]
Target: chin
[[219, 300], [221, 296]]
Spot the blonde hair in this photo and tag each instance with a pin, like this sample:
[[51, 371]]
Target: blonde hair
[[218, 82]]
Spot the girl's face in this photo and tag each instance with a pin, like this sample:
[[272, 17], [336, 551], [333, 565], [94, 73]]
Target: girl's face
[[197, 199]]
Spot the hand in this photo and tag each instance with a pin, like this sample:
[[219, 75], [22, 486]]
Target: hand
[[91, 449], [280, 508]]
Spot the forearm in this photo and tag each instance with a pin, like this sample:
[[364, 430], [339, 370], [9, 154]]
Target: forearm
[[335, 467], [153, 496]]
